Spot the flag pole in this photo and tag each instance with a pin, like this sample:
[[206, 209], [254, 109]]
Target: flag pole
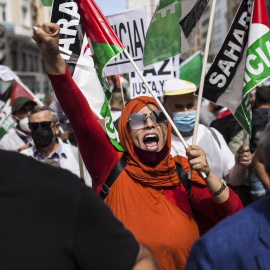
[[244, 137], [199, 102], [159, 103], [7, 131], [122, 92]]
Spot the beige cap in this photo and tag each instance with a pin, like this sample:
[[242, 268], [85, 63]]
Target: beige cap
[[178, 87]]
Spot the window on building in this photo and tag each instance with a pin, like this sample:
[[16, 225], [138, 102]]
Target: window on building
[[14, 60], [31, 61], [36, 63], [24, 62], [2, 12], [25, 12]]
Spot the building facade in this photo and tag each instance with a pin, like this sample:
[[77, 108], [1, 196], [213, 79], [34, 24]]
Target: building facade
[[17, 49], [149, 4]]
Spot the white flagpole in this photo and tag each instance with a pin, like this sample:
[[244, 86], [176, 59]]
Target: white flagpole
[[199, 102], [159, 103], [244, 137], [122, 92]]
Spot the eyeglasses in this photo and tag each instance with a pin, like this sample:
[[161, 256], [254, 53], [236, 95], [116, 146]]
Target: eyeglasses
[[138, 120], [44, 124]]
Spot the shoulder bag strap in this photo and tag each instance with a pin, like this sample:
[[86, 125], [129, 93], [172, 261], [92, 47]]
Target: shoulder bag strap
[[118, 168]]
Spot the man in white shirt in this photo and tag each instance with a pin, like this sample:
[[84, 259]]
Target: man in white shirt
[[44, 125], [181, 104], [19, 136]]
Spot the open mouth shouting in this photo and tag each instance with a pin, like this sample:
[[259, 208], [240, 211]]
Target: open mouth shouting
[[150, 141]]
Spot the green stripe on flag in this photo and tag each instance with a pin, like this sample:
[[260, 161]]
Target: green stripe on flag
[[243, 114], [103, 53], [191, 70], [47, 3], [2, 132], [163, 38], [257, 63], [6, 125], [106, 114]]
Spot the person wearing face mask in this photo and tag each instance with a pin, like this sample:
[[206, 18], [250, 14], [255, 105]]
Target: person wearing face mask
[[147, 195], [19, 136], [181, 104], [44, 126]]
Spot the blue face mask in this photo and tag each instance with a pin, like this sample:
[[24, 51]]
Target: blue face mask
[[184, 121]]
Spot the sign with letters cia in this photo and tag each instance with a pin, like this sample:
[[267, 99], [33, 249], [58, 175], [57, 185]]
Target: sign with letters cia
[[130, 26]]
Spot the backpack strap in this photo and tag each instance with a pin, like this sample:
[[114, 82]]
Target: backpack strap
[[182, 175], [118, 168], [215, 136], [121, 164]]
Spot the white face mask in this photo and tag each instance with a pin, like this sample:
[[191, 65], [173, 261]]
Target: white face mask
[[24, 124]]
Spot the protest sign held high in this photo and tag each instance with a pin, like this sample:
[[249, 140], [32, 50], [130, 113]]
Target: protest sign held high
[[242, 63], [155, 75], [130, 26]]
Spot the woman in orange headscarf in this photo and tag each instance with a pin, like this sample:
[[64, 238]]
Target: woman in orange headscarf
[[147, 196]]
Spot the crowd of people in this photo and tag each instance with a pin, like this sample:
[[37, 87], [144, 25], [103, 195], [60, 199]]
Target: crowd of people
[[148, 214]]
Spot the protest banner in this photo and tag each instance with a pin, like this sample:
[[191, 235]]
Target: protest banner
[[6, 74], [130, 26], [155, 75], [242, 63], [171, 29]]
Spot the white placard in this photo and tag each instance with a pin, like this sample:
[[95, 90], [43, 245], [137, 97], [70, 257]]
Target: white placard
[[155, 75], [6, 74], [130, 26]]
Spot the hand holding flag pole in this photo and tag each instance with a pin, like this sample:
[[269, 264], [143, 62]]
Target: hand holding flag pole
[[207, 45]]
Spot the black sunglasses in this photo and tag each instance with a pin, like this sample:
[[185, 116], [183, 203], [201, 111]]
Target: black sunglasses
[[44, 124], [138, 120]]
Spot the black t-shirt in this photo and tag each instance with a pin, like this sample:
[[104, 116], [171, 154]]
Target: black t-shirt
[[50, 220], [228, 126], [259, 118]]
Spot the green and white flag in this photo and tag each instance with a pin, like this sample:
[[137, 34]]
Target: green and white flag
[[47, 3], [242, 63], [171, 28], [191, 69], [87, 53]]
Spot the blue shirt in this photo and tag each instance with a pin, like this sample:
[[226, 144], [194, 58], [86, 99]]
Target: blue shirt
[[55, 155], [241, 241]]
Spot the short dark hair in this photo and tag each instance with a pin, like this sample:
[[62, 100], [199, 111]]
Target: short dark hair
[[116, 99], [263, 95], [45, 108]]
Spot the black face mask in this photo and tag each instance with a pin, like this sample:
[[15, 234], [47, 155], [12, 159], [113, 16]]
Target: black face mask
[[42, 137]]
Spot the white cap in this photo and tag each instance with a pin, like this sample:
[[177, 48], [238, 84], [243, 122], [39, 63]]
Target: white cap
[[178, 87]]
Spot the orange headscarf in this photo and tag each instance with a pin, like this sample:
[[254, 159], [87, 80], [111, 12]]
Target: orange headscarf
[[161, 176]]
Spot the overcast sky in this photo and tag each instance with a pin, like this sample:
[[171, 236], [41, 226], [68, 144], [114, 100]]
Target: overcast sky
[[111, 6]]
